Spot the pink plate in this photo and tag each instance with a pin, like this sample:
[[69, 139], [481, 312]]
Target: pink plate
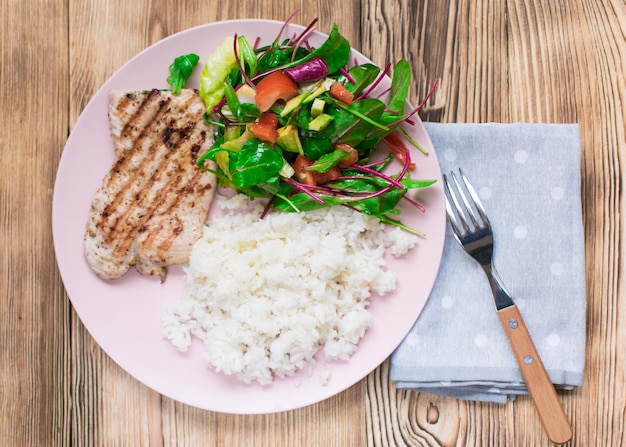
[[124, 315]]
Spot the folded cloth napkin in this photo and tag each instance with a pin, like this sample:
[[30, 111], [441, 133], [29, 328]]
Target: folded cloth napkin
[[528, 178]]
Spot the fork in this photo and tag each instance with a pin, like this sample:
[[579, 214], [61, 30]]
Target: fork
[[470, 225]]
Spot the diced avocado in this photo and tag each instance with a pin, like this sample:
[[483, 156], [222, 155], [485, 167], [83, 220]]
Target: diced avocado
[[314, 94], [223, 160], [232, 132], [321, 87], [317, 107], [320, 122], [292, 104], [289, 139], [236, 144]]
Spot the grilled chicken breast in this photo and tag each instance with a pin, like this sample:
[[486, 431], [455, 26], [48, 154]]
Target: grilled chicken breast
[[154, 201]]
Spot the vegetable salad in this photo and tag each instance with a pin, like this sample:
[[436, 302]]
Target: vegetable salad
[[299, 125]]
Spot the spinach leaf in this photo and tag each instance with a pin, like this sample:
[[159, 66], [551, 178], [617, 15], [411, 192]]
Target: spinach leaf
[[374, 206], [330, 160], [279, 56], [255, 164], [313, 145], [382, 204], [304, 202], [349, 125], [272, 58], [362, 75], [399, 87], [180, 71], [247, 55], [411, 183], [232, 99], [335, 51]]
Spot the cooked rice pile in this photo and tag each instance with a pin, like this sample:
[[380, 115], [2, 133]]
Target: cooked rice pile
[[266, 295]]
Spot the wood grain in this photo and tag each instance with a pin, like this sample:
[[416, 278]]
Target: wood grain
[[502, 61], [35, 86]]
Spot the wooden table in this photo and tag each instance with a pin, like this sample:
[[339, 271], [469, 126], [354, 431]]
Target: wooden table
[[500, 61]]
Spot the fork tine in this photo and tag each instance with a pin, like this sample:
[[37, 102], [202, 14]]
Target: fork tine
[[457, 219], [478, 204], [464, 208], [466, 204]]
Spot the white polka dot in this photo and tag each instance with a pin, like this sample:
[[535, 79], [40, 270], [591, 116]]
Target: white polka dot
[[412, 339], [485, 193], [557, 193], [556, 268], [481, 340], [446, 383], [494, 390], [521, 156], [447, 302], [553, 340], [450, 154], [520, 232]]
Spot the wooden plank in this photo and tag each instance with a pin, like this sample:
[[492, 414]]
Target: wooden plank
[[34, 79]]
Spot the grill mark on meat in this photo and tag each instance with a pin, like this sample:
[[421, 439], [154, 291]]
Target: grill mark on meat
[[138, 136], [144, 214], [182, 193], [151, 114], [174, 139], [153, 98], [124, 164]]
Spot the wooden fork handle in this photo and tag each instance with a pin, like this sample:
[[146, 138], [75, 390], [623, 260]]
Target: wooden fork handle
[[553, 418]]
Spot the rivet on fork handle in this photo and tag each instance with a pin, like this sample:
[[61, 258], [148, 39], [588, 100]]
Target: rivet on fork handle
[[540, 387]]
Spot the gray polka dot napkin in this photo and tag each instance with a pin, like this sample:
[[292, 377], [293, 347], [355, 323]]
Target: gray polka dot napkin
[[528, 178]]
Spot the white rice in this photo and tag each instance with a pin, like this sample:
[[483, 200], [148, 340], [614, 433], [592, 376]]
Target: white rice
[[265, 295]]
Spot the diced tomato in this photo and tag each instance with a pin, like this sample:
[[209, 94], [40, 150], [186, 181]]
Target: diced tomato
[[397, 147], [266, 128], [300, 165], [276, 85], [352, 158], [325, 177], [340, 93]]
